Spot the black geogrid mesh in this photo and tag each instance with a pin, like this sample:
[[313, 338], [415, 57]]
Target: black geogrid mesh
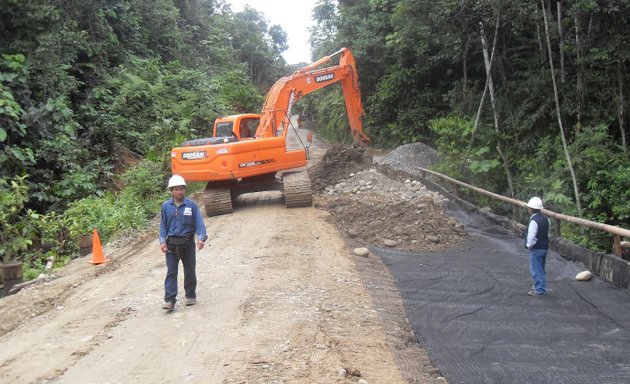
[[470, 310]]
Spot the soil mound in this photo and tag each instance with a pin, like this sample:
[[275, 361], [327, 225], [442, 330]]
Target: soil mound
[[383, 210], [336, 165]]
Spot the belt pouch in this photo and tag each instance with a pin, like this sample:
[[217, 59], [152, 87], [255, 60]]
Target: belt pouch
[[178, 240]]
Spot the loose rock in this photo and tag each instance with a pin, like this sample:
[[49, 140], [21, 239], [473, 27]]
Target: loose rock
[[352, 233], [584, 276], [390, 243]]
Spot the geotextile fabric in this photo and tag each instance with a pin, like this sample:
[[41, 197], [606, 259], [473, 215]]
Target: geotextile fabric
[[469, 309]]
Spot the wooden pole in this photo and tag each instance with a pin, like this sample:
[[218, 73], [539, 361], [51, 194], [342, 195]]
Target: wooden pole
[[617, 245]]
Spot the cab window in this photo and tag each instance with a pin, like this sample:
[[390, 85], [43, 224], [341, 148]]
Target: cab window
[[224, 129], [248, 128]]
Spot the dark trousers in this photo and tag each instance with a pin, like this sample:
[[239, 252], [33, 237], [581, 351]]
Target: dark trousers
[[187, 255]]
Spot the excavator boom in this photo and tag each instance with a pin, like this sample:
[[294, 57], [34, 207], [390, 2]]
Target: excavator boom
[[288, 90]]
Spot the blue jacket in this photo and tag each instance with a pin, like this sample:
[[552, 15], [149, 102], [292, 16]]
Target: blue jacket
[[181, 221]]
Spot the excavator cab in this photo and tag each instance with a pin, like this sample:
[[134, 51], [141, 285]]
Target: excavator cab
[[247, 127], [229, 129], [240, 126]]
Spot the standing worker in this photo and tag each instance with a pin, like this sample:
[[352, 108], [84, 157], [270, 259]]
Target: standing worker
[[180, 220], [537, 242]]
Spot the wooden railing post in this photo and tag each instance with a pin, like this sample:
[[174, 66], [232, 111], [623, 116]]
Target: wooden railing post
[[557, 229], [617, 245]]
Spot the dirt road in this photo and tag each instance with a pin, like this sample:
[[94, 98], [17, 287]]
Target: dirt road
[[281, 299]]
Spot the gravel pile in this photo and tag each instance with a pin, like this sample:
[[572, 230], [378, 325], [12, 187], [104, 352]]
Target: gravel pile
[[372, 182], [409, 156], [385, 209]]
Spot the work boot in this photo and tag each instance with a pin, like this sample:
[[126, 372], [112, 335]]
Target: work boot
[[168, 306], [191, 301]]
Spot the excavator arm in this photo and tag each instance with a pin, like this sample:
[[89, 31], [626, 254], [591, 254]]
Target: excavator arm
[[276, 111]]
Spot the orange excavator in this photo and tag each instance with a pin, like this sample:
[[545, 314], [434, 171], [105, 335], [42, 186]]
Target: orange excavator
[[250, 153]]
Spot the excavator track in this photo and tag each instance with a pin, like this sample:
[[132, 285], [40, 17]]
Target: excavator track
[[218, 201], [297, 190]]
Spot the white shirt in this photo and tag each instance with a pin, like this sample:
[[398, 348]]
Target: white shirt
[[532, 231]]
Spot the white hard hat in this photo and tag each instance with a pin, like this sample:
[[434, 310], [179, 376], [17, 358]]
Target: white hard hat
[[176, 181], [535, 203]]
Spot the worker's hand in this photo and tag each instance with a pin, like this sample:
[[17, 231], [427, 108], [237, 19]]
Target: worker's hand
[[163, 247], [200, 245]]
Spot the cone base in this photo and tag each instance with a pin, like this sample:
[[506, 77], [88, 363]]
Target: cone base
[[98, 262]]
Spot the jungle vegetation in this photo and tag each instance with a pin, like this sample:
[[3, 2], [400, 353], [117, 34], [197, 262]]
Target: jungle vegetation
[[520, 98]]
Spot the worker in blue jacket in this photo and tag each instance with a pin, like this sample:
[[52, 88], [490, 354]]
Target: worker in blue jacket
[[180, 221]]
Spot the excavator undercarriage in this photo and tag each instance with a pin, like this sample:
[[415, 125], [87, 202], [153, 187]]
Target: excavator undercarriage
[[219, 197]]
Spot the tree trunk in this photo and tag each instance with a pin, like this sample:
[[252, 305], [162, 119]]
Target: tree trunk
[[622, 102], [561, 42], [486, 58], [465, 93], [488, 64], [558, 113], [579, 87], [488, 69], [508, 174], [540, 43]]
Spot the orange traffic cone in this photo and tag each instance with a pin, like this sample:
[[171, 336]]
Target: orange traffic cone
[[98, 257]]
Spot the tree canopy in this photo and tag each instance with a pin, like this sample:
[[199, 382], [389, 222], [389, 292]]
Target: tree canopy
[[80, 78]]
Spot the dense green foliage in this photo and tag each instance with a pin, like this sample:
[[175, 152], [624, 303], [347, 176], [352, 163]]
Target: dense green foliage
[[83, 84], [423, 75], [113, 213]]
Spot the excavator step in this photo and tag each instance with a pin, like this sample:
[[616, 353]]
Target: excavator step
[[217, 201], [297, 190]]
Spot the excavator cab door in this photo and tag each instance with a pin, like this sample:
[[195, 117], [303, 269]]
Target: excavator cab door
[[224, 129]]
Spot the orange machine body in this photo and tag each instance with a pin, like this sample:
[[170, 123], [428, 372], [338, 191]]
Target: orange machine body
[[233, 160], [250, 153], [229, 156]]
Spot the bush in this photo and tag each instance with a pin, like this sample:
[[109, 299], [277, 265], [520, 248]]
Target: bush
[[130, 209], [15, 233]]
